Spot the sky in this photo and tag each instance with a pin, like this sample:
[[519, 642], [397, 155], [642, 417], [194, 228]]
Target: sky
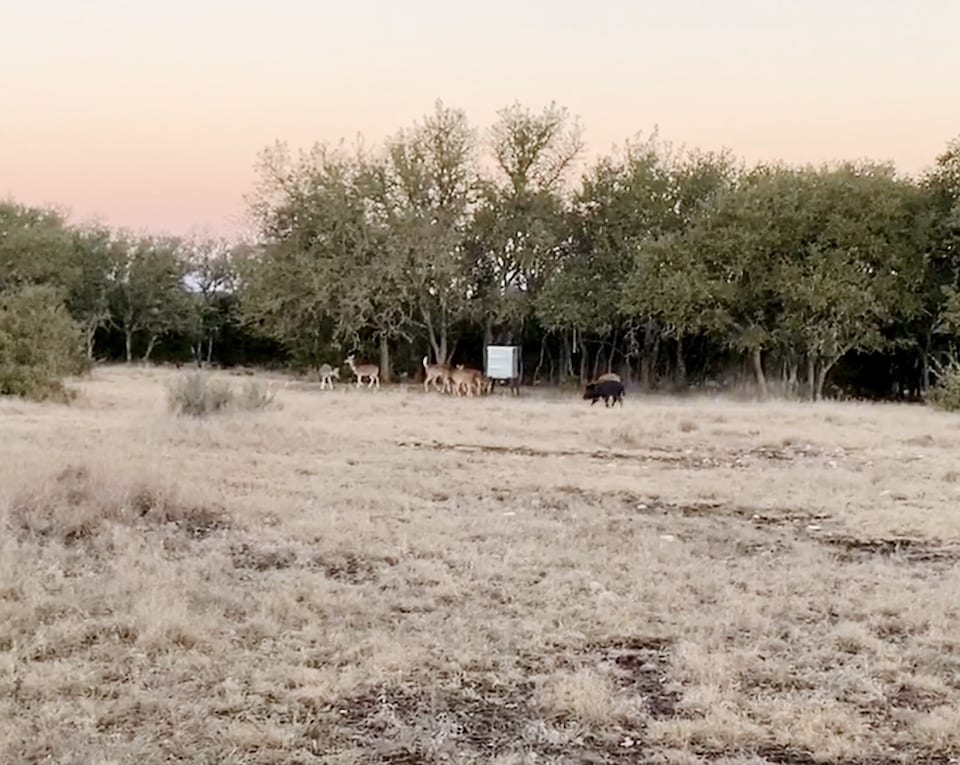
[[150, 115]]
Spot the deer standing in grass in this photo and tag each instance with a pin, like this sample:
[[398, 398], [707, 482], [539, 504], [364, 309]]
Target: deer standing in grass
[[327, 376], [360, 371], [466, 380], [436, 373]]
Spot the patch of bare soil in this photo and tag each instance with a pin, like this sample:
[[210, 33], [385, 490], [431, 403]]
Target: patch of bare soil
[[351, 568], [346, 567], [640, 668], [414, 725], [905, 549], [655, 505], [480, 720], [776, 754], [246, 555], [687, 459], [681, 460]]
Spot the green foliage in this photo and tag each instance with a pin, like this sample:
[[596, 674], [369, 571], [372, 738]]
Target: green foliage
[[88, 284], [40, 344], [147, 295], [659, 258], [211, 268], [946, 393], [298, 288], [35, 246], [198, 395]]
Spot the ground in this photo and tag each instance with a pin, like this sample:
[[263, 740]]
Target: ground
[[400, 577]]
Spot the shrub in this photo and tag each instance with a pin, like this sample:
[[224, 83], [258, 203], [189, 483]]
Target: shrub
[[40, 344], [76, 505], [197, 395], [946, 393], [255, 395]]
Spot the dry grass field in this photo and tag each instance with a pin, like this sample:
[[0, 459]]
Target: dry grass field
[[396, 577]]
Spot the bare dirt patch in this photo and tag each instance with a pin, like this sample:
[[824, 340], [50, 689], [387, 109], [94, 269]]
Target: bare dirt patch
[[641, 667], [259, 558], [351, 568], [905, 549], [690, 459]]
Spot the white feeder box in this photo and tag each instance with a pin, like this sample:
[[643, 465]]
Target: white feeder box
[[503, 363]]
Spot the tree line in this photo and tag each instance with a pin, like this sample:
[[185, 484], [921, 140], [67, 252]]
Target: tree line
[[671, 266]]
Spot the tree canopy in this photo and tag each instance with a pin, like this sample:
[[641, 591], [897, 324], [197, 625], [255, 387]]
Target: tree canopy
[[672, 266]]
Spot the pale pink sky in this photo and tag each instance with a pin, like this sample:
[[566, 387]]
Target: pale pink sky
[[150, 115]]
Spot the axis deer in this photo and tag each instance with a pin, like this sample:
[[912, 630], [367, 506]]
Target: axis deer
[[468, 380], [361, 371], [436, 373], [327, 376]]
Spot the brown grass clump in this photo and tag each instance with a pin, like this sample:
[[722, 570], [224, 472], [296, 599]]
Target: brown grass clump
[[405, 578], [199, 395], [75, 506]]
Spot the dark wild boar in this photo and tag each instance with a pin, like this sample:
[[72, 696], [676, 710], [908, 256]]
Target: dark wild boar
[[610, 391]]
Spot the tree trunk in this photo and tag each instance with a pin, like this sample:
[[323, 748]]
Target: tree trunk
[[793, 370], [596, 362], [649, 355], [812, 376], [565, 361], [384, 359], [150, 346], [822, 372], [583, 364], [210, 350], [681, 364], [613, 350], [758, 371], [543, 350], [925, 366], [445, 352], [438, 352], [128, 344], [90, 333]]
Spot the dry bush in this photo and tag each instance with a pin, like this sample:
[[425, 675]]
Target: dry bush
[[584, 694], [255, 395], [75, 506], [198, 395]]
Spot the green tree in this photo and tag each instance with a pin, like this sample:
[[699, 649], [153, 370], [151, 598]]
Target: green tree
[[522, 225], [39, 343], [35, 246], [620, 276], [424, 196], [298, 287], [809, 260], [147, 297], [852, 267], [88, 282], [211, 279], [939, 319]]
